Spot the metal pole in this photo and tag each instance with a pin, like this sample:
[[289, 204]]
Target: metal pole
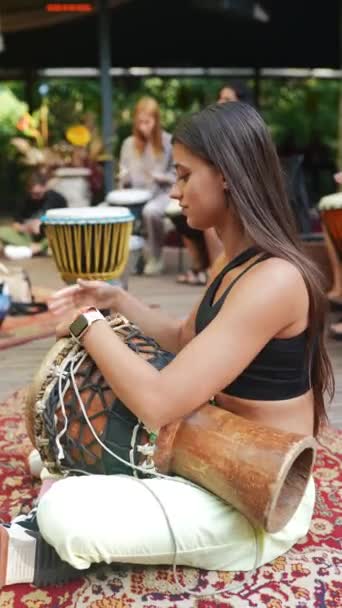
[[257, 83], [106, 89]]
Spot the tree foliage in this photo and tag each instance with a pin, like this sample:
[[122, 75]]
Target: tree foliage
[[302, 114]]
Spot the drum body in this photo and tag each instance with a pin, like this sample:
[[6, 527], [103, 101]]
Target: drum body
[[74, 420], [330, 208], [89, 242], [53, 405]]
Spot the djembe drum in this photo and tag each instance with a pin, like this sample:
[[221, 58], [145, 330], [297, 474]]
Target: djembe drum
[[133, 198], [330, 208], [78, 424], [89, 242]]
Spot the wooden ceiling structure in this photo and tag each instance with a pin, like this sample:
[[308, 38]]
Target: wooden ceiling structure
[[177, 33]]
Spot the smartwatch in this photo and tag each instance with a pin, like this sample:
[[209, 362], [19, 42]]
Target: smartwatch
[[80, 326]]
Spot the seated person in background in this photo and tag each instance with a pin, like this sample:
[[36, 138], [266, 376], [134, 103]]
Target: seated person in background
[[204, 247], [335, 294], [236, 90], [24, 238], [146, 162]]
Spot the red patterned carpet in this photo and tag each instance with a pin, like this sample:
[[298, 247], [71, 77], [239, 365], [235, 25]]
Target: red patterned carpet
[[309, 576], [19, 330]]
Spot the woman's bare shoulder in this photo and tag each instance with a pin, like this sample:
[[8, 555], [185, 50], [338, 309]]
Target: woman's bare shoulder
[[282, 272], [276, 283]]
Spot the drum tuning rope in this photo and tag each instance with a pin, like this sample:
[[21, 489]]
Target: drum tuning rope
[[62, 374]]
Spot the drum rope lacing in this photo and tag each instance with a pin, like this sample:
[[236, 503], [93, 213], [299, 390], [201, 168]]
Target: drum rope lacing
[[75, 361]]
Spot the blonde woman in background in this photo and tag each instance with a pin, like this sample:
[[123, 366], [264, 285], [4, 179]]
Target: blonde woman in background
[[146, 162]]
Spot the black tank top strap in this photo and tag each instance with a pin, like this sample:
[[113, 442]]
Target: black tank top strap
[[260, 258], [207, 310], [240, 259], [280, 370]]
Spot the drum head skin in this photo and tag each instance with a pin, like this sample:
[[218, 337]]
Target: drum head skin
[[128, 196], [331, 201], [88, 215]]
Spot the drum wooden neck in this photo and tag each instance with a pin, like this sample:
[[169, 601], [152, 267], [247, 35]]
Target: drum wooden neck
[[261, 471]]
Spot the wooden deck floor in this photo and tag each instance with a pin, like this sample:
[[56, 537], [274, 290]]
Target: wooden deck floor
[[18, 365]]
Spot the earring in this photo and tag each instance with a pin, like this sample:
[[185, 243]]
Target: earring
[[225, 186]]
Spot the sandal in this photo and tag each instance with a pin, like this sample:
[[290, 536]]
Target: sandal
[[193, 277], [202, 277]]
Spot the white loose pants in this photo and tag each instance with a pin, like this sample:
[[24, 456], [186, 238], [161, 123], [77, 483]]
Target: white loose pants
[[115, 518]]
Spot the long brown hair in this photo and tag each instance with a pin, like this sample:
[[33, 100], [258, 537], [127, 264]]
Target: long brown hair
[[234, 138], [149, 106]]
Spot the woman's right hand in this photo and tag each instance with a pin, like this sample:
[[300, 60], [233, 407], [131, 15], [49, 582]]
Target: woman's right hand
[[85, 293]]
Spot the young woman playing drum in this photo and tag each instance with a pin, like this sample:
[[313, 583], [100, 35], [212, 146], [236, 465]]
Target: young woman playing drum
[[255, 342]]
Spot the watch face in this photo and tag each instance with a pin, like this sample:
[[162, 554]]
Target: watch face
[[79, 325]]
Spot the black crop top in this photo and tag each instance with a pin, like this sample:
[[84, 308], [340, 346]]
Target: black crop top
[[280, 370]]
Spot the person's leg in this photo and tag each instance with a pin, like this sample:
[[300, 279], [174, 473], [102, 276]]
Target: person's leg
[[40, 247], [196, 275], [336, 289], [10, 236], [198, 260], [194, 242], [118, 519], [87, 520], [17, 245], [153, 217]]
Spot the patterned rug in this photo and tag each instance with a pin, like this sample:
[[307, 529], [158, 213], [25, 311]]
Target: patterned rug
[[21, 329], [308, 576]]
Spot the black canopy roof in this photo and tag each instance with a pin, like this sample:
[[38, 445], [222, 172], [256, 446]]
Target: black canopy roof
[[183, 33]]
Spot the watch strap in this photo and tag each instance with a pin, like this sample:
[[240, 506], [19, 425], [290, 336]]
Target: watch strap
[[90, 315]]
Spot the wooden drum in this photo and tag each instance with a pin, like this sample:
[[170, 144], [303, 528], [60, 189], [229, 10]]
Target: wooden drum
[[89, 242]]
